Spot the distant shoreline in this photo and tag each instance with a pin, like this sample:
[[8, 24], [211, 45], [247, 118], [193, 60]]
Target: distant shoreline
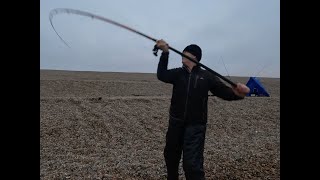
[[83, 71]]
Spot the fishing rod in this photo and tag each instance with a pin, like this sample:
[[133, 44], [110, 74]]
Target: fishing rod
[[155, 49]]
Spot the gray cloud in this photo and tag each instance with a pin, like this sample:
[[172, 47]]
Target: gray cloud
[[246, 34]]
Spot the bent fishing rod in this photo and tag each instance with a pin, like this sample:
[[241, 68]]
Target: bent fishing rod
[[155, 49]]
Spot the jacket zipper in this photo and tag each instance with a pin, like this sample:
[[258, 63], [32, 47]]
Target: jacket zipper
[[195, 84], [185, 109]]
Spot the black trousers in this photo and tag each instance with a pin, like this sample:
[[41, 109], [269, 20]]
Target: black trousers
[[189, 141]]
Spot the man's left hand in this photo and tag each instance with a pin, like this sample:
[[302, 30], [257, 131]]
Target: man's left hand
[[241, 90]]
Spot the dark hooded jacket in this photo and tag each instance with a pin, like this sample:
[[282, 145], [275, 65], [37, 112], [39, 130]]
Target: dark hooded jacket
[[189, 101]]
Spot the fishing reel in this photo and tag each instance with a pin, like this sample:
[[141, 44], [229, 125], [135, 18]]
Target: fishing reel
[[155, 50]]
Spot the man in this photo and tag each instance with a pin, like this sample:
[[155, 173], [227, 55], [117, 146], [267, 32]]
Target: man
[[188, 110]]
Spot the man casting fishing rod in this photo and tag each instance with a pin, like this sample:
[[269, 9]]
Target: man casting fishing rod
[[188, 110]]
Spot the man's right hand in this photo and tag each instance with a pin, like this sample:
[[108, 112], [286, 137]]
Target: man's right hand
[[161, 44]]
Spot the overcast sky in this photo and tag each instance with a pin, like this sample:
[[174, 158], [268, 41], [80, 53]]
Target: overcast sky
[[242, 34]]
